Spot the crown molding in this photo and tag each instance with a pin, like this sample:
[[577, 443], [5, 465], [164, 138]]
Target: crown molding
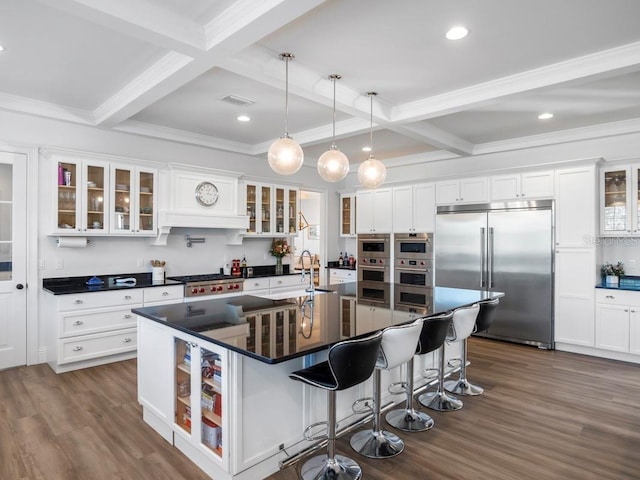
[[38, 108]]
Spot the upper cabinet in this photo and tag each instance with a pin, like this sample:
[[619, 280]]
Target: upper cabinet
[[522, 186], [348, 215], [575, 206], [414, 208], [374, 213], [272, 209], [466, 190], [133, 200], [620, 200], [98, 197]]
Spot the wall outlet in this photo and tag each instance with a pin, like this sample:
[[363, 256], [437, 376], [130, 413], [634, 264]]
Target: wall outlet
[[140, 262], [59, 264]]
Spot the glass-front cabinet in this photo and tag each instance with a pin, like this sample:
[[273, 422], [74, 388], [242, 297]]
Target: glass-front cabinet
[[199, 397], [272, 209], [81, 196], [273, 332], [348, 215], [133, 202], [620, 200]]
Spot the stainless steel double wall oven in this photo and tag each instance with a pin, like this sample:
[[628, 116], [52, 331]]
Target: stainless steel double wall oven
[[374, 267], [413, 268]]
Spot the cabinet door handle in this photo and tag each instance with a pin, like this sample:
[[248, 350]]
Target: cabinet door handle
[[127, 315], [633, 311], [78, 302], [77, 348], [164, 294], [126, 340], [78, 322], [127, 297], [610, 296], [626, 310]]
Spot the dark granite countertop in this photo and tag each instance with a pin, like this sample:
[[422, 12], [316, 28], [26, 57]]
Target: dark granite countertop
[[69, 285], [315, 327], [627, 282]]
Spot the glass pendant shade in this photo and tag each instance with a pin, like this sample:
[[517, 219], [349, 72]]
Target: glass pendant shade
[[285, 156], [372, 173], [333, 165]]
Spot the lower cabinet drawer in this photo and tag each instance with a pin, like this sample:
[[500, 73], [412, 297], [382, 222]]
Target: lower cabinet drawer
[[72, 324], [98, 345]]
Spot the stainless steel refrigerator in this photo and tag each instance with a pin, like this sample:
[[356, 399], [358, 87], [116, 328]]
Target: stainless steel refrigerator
[[506, 247]]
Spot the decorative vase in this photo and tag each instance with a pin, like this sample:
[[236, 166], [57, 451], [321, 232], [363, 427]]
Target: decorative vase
[[278, 265], [612, 280]]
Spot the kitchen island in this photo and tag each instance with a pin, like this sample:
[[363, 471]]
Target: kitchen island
[[213, 375]]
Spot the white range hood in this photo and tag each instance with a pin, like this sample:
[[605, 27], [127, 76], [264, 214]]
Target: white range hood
[[185, 210]]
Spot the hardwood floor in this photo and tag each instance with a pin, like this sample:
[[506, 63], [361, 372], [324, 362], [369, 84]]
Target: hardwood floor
[[544, 415]]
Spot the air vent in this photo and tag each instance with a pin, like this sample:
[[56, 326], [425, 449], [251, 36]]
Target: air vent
[[236, 100]]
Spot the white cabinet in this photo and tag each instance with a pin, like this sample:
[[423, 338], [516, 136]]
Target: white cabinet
[[256, 286], [369, 318], [133, 208], [163, 295], [519, 186], [340, 275], [414, 208], [348, 215], [620, 200], [617, 316], [575, 207], [81, 195], [273, 332], [375, 212], [272, 209], [465, 190], [281, 282]]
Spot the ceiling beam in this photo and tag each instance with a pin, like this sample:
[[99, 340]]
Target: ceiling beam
[[242, 24]]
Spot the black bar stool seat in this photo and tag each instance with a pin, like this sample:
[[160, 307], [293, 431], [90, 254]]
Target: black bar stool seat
[[348, 363]]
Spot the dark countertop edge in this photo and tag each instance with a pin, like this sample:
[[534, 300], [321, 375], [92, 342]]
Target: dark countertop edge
[[353, 269], [618, 287], [67, 288]]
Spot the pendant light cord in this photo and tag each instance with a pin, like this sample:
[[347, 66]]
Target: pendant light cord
[[371, 94], [286, 97], [334, 111]]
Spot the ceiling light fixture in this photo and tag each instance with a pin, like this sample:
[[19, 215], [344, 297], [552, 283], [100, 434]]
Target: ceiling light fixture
[[457, 33], [285, 155], [333, 165], [1, 48], [545, 116], [366, 149], [372, 171], [244, 118]]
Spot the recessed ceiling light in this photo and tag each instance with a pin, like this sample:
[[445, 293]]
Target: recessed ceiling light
[[1, 48], [366, 149], [545, 116], [244, 118], [457, 32]]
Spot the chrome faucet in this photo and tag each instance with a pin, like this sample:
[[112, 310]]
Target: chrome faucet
[[311, 288]]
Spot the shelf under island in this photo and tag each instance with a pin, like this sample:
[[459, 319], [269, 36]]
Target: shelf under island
[[213, 375]]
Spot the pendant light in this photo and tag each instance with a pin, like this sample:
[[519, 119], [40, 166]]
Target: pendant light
[[372, 171], [333, 165], [285, 155]]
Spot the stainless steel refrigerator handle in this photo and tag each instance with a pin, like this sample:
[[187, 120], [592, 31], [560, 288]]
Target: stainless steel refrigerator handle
[[483, 250], [490, 257]]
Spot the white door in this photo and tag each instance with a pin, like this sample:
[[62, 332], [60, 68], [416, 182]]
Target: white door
[[13, 265]]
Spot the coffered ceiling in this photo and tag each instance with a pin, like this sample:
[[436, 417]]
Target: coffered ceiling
[[161, 68]]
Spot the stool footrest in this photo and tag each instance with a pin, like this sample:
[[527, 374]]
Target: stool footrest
[[457, 362], [430, 373], [318, 435], [366, 407], [398, 388]]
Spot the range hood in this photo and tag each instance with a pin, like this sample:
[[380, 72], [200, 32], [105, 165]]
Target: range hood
[[201, 198]]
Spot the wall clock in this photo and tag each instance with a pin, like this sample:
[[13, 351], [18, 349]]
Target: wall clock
[[206, 194]]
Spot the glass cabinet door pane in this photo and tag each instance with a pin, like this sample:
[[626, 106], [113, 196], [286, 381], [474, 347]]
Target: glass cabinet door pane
[[251, 339], [293, 211], [211, 400], [145, 201], [280, 210], [67, 196], [95, 197], [265, 335], [346, 216], [183, 385], [251, 208], [615, 201], [267, 214], [292, 317], [279, 333], [122, 203]]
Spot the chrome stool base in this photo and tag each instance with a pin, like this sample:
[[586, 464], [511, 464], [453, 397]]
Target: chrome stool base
[[339, 468], [380, 444], [409, 420], [440, 401], [463, 387]]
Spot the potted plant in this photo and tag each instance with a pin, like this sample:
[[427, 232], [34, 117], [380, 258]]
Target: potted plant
[[612, 272], [279, 248]]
